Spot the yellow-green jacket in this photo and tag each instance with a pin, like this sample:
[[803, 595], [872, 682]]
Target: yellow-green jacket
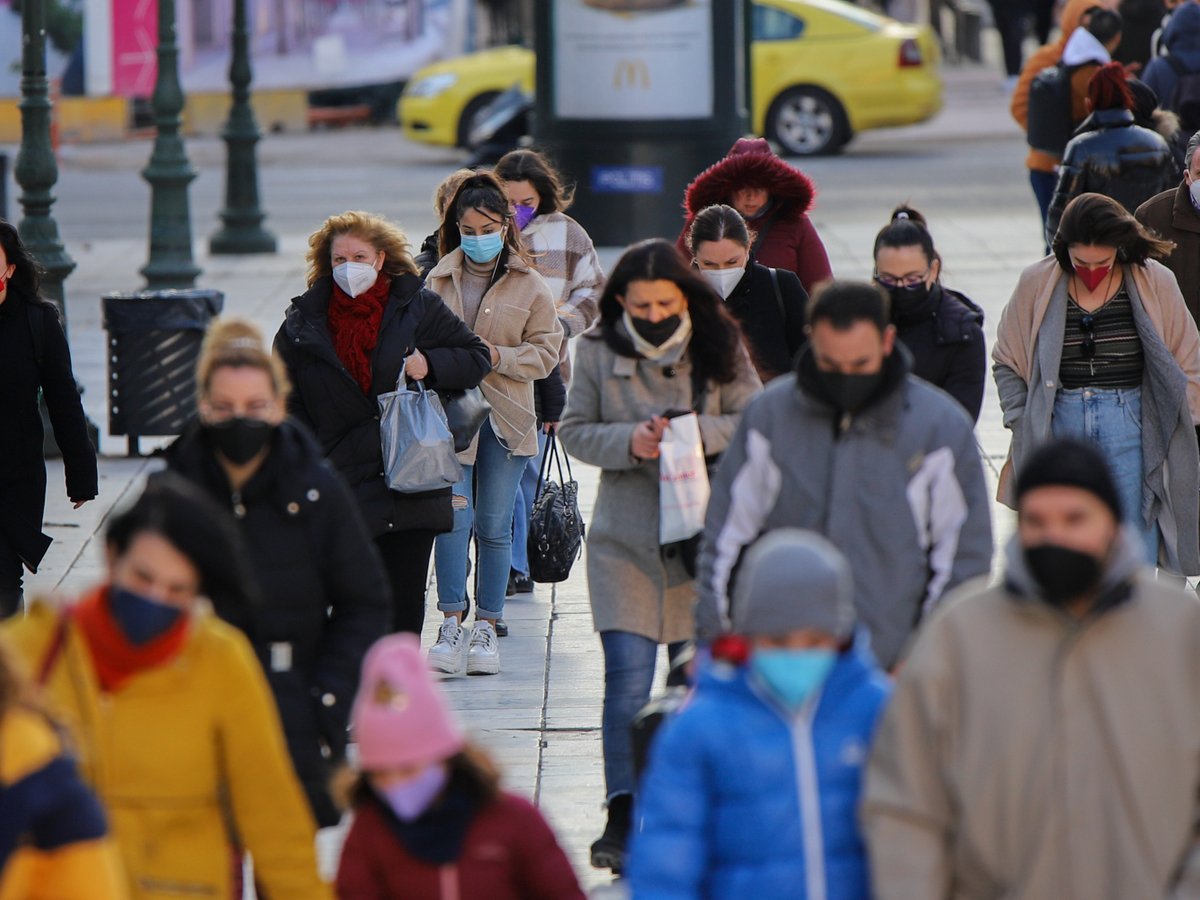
[[180, 755]]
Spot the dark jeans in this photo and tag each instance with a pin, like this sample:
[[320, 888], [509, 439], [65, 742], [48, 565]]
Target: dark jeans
[[406, 560], [628, 677], [1010, 22], [11, 573], [1043, 184]]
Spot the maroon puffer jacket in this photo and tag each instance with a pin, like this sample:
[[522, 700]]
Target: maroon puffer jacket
[[510, 853], [788, 238]]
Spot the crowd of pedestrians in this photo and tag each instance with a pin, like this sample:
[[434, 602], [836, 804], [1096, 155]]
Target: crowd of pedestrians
[[791, 500]]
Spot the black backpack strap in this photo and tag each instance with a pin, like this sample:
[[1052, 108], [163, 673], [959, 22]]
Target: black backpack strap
[[778, 296]]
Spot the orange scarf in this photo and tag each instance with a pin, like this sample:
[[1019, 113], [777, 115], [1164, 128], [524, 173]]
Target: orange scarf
[[115, 657]]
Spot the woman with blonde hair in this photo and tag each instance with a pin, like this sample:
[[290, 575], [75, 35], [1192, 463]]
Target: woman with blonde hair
[[323, 597], [364, 322], [485, 277]]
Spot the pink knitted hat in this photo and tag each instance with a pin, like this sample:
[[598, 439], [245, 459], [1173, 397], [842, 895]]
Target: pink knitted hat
[[399, 718]]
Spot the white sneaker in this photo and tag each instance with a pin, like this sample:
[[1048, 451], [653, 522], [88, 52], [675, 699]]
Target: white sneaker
[[483, 655], [446, 655]]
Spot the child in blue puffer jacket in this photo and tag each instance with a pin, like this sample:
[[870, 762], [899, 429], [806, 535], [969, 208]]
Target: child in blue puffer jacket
[[753, 788]]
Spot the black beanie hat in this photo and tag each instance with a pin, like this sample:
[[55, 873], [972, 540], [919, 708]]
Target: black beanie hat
[[1071, 463]]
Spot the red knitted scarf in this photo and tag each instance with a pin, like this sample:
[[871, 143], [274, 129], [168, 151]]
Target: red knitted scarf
[[354, 327], [114, 656]]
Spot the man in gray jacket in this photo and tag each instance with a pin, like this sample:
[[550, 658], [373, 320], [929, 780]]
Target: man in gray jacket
[[856, 448]]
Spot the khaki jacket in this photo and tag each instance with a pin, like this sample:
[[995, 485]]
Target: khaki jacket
[[519, 317], [1029, 756], [1172, 216], [179, 755]]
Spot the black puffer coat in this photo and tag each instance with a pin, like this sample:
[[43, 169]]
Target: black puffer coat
[[323, 595], [34, 354], [773, 325], [1110, 155], [945, 336], [327, 399]]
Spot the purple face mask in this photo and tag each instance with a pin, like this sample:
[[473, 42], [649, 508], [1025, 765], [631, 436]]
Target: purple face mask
[[410, 800], [524, 215]]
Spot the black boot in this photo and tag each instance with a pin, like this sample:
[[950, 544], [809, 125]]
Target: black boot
[[609, 851]]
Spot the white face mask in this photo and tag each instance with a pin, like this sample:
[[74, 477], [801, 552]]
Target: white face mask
[[1194, 188], [355, 277], [723, 281]]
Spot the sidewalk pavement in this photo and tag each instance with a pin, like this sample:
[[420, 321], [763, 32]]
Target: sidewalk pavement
[[541, 716]]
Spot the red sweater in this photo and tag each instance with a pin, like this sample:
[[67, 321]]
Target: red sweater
[[510, 853]]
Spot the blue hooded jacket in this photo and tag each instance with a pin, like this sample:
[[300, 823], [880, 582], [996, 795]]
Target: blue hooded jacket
[[744, 799], [1182, 41]]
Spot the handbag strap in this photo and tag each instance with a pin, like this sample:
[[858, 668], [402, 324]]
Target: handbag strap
[[551, 453]]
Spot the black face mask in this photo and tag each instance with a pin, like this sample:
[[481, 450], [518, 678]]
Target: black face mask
[[907, 299], [1062, 573], [850, 393], [657, 333], [239, 439]]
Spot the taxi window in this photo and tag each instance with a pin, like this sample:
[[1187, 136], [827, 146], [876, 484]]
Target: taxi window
[[775, 25]]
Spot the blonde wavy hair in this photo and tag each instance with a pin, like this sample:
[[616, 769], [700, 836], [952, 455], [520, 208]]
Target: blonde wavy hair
[[374, 230], [235, 342]]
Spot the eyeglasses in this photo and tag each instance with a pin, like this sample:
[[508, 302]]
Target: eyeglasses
[[1087, 349], [907, 281]]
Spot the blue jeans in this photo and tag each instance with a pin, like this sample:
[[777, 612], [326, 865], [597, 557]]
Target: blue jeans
[[498, 474], [1111, 419], [628, 677], [524, 506]]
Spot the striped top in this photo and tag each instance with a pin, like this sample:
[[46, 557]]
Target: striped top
[[1102, 349]]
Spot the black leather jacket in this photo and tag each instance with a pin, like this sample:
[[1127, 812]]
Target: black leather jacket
[[1111, 155]]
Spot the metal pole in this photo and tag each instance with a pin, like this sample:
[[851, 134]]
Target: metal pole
[[36, 170], [169, 174], [243, 230]]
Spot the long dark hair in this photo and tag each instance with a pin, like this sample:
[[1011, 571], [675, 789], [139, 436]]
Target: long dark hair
[[195, 525], [531, 166], [716, 344], [27, 277], [1094, 219], [481, 192], [719, 222]]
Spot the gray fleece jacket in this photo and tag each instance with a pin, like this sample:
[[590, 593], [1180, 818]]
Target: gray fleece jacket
[[898, 488]]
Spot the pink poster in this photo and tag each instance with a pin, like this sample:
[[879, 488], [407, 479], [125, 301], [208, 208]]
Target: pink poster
[[134, 39]]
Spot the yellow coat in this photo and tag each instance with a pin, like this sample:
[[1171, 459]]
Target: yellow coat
[[77, 868], [179, 751]]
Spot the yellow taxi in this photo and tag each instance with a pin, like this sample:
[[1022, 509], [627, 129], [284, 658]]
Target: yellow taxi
[[822, 70]]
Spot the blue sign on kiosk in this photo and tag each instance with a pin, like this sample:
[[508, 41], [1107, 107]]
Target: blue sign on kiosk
[[634, 99]]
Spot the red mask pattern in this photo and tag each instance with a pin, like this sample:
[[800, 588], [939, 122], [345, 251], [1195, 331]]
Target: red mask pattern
[[1091, 278]]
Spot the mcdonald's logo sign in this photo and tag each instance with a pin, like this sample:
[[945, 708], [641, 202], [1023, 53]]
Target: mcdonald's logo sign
[[633, 73]]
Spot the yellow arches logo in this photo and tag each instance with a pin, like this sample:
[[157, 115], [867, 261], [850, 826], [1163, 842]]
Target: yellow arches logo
[[633, 73]]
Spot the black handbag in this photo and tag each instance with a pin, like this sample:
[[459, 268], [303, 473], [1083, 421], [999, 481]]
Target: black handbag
[[466, 412], [556, 529]]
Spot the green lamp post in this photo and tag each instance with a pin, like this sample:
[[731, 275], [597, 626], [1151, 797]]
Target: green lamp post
[[243, 231], [36, 170], [168, 173]]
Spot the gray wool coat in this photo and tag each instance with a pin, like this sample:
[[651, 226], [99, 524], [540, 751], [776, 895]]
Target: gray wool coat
[[632, 586]]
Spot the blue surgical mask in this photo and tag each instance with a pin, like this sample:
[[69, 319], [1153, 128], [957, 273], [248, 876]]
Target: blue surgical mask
[[482, 248], [410, 800], [140, 618], [793, 675]]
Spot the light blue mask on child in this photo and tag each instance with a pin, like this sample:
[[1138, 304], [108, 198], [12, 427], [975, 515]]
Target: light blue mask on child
[[793, 675], [482, 248]]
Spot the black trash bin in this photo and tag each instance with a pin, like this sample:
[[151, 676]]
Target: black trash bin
[[153, 344]]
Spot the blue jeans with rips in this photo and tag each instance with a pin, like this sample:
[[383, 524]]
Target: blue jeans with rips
[[489, 508]]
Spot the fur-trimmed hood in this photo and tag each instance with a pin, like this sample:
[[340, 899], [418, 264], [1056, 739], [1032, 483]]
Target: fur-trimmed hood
[[750, 163]]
